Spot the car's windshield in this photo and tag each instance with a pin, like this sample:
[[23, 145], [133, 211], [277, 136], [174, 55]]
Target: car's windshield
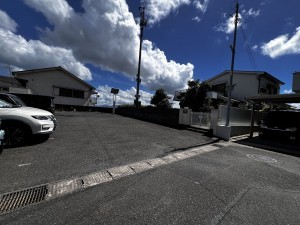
[[17, 100], [4, 104], [12, 99]]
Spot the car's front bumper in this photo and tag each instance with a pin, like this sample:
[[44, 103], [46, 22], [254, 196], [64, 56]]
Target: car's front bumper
[[44, 126]]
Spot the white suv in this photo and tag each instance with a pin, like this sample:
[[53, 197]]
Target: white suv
[[19, 122]]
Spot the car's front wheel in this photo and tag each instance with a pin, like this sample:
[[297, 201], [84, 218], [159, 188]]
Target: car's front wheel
[[15, 134]]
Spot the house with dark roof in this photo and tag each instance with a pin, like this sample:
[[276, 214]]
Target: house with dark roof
[[57, 82], [245, 84]]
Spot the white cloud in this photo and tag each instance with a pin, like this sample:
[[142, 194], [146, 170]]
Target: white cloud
[[158, 10], [282, 45], [255, 47], [7, 23], [201, 5], [55, 10], [106, 35], [124, 97], [196, 19], [288, 91], [17, 51], [228, 26], [251, 12]]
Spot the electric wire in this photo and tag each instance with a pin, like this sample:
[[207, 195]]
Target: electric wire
[[249, 51]]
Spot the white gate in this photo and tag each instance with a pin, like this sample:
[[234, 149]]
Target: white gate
[[198, 119]]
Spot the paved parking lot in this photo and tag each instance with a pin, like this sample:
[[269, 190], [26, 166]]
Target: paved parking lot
[[90, 141], [215, 183]]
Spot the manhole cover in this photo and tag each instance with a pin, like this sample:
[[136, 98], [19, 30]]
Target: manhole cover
[[262, 158]]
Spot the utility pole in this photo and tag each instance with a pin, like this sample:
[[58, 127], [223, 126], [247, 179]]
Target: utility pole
[[232, 47], [143, 23]]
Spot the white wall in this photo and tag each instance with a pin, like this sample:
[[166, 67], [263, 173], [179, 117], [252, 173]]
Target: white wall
[[244, 85], [44, 83]]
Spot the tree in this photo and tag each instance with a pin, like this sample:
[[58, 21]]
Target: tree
[[195, 97], [160, 99]]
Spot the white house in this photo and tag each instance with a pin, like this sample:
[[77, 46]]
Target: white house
[[67, 88], [245, 84]]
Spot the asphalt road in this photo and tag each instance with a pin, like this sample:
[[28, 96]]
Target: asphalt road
[[89, 141], [233, 184], [164, 179]]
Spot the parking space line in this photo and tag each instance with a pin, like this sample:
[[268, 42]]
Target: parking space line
[[24, 164]]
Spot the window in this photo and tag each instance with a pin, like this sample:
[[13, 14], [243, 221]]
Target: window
[[78, 94], [4, 89], [220, 88], [66, 92]]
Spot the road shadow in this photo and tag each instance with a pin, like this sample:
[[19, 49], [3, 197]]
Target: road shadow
[[30, 141], [281, 146]]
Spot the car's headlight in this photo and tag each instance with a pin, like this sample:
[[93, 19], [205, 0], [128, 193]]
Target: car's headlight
[[42, 117]]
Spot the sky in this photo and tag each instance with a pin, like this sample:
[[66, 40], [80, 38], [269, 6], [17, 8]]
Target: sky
[[98, 41]]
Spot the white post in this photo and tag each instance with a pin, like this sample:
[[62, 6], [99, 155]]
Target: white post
[[114, 103]]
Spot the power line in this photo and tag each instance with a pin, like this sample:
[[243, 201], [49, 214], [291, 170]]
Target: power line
[[249, 51]]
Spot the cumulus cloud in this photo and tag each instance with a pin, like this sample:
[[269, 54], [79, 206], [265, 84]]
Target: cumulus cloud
[[282, 45], [7, 23], [158, 10], [20, 53], [106, 35], [124, 97], [227, 26], [288, 91]]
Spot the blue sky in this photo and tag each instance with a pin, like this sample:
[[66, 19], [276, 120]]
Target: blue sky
[[97, 40]]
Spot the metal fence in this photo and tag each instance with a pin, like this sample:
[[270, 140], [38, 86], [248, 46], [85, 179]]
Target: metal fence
[[201, 119]]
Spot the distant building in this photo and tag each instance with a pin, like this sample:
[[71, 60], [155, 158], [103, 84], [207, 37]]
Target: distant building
[[55, 81], [245, 84], [10, 84]]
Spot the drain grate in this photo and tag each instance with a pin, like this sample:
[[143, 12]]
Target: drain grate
[[22, 198]]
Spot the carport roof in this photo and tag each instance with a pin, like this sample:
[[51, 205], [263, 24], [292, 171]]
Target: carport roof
[[283, 98]]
